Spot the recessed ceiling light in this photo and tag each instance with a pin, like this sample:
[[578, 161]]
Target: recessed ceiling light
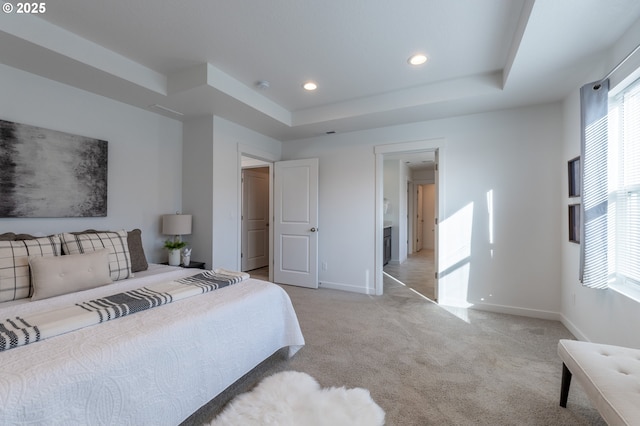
[[417, 59], [310, 85]]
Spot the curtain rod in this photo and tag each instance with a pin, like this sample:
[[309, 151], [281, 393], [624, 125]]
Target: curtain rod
[[620, 64]]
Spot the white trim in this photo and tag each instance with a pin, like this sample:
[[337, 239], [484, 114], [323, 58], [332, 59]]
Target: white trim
[[627, 290], [413, 146], [379, 223], [513, 310], [437, 145], [573, 329], [344, 287], [257, 153]]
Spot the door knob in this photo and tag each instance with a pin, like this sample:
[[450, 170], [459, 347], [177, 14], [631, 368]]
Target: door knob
[[313, 230]]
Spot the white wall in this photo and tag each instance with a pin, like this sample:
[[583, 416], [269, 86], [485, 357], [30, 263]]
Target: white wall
[[423, 176], [197, 186], [145, 155], [511, 153], [603, 316], [346, 210], [212, 185]]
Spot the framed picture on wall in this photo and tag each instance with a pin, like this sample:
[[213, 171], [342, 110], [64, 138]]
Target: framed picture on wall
[[574, 177], [47, 173], [574, 223]]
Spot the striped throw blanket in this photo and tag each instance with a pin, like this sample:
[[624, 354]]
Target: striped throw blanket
[[20, 331]]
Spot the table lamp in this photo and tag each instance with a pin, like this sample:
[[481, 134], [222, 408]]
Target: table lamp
[[176, 225]]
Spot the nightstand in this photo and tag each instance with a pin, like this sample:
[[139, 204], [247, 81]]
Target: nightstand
[[192, 265]]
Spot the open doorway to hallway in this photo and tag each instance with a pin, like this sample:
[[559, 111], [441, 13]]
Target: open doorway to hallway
[[418, 270], [410, 184]]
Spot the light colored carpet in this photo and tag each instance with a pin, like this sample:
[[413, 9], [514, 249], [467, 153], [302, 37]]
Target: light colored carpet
[[292, 398], [425, 364]]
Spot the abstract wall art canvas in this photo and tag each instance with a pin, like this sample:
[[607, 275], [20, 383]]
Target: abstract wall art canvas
[[46, 173]]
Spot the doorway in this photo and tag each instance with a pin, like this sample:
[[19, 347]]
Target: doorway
[[255, 206], [292, 253], [255, 219], [417, 269], [436, 148]]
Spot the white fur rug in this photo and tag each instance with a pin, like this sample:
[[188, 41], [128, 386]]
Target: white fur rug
[[293, 398]]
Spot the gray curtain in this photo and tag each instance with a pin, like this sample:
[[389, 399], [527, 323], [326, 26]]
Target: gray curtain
[[594, 191]]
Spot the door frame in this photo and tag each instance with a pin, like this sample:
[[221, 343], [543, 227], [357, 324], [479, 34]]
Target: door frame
[[438, 145], [267, 157]]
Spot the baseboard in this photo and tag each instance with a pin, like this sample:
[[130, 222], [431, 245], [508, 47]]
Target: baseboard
[[501, 309], [512, 310], [573, 329], [346, 287]]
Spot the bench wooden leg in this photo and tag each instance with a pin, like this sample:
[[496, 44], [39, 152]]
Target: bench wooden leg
[[566, 382]]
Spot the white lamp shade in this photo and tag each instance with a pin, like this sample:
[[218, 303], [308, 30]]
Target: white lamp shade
[[176, 224]]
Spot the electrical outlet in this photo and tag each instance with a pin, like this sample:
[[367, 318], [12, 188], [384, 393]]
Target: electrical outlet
[[325, 266]]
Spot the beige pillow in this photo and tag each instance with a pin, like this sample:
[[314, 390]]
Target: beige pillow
[[53, 276]]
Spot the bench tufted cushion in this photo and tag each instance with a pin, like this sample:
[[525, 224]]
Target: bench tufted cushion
[[610, 376]]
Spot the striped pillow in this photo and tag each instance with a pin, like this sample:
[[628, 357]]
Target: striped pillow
[[116, 242], [15, 281]]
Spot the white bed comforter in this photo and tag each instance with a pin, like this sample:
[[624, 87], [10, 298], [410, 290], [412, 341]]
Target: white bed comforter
[[154, 367]]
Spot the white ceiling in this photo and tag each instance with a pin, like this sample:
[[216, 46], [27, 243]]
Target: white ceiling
[[202, 57]]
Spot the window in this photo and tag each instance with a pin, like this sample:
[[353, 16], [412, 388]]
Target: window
[[624, 184]]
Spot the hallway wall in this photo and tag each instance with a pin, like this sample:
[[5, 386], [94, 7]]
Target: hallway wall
[[428, 215]]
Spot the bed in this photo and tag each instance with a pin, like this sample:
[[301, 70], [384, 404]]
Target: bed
[[156, 367]]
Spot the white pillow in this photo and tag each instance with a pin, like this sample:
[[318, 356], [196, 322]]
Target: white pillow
[[116, 242], [53, 276]]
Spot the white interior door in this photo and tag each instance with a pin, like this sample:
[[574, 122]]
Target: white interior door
[[255, 218], [296, 223]]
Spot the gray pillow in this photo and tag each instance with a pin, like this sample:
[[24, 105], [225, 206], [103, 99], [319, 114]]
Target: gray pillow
[[136, 251]]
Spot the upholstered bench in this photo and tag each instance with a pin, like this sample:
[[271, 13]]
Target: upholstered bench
[[610, 376]]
